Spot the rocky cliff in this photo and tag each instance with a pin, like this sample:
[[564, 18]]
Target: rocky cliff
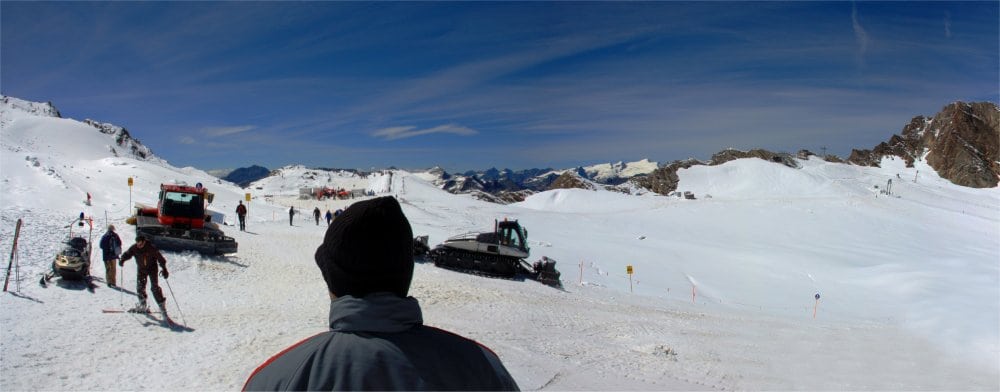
[[961, 143]]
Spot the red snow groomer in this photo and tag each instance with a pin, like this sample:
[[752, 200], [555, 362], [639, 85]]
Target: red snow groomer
[[179, 222]]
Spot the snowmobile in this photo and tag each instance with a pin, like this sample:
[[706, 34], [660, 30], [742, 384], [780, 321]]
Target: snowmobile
[[179, 222], [73, 260], [499, 253]]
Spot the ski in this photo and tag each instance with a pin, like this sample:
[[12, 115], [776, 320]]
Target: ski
[[175, 326], [127, 311], [166, 321]]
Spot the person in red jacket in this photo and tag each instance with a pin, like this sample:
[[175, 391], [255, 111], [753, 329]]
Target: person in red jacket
[[147, 260]]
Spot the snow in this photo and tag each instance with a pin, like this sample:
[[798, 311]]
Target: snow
[[722, 294], [606, 171]]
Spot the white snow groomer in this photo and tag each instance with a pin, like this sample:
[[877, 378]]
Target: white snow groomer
[[499, 253]]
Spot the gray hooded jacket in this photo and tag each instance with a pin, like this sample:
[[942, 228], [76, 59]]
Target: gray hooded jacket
[[379, 342]]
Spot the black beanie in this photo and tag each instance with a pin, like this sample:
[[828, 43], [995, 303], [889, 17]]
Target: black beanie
[[367, 249]]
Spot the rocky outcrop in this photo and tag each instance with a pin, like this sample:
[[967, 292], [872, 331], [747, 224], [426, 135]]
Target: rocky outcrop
[[961, 143], [731, 154], [122, 139], [503, 197], [46, 109], [570, 180], [664, 180]]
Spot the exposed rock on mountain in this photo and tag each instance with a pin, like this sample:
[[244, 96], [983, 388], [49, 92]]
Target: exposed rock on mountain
[[122, 138], [961, 143], [731, 154], [46, 109], [664, 180], [570, 180]]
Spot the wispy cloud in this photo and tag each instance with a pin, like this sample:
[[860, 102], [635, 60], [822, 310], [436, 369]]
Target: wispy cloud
[[187, 140], [947, 25], [404, 132], [224, 131], [860, 34]]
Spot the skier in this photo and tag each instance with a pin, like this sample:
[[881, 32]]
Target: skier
[[146, 259], [241, 212], [329, 217], [377, 339], [316, 214], [291, 214], [111, 247]]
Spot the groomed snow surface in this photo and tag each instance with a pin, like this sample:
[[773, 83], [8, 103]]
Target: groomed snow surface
[[722, 295]]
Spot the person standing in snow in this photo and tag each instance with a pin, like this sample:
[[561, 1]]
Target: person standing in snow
[[377, 339], [147, 258], [316, 214], [329, 217], [241, 212], [111, 247], [291, 214]]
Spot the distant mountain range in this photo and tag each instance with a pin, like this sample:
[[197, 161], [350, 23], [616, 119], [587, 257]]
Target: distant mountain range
[[246, 175], [961, 143]]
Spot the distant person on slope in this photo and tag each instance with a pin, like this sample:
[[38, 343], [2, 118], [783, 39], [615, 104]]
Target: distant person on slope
[[291, 214], [316, 214], [377, 339], [241, 212], [147, 257], [329, 217], [111, 247]]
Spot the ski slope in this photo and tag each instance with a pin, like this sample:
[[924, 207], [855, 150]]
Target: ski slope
[[722, 294]]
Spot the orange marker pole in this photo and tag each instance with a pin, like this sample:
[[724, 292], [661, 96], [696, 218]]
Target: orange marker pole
[[816, 305]]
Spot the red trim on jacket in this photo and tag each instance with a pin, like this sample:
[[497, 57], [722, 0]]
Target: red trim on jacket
[[276, 356]]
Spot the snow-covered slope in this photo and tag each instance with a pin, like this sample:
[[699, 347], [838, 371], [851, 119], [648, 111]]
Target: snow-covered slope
[[722, 294], [289, 180], [58, 161]]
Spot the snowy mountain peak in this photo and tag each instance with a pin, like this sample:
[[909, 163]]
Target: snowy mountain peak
[[34, 108], [608, 172], [13, 109]]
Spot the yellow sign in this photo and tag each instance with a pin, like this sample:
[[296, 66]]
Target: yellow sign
[[628, 269], [130, 182], [248, 197]]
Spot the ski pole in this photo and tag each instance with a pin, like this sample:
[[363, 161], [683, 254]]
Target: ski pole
[[121, 285], [175, 301]]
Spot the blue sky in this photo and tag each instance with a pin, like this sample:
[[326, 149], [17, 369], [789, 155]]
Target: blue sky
[[517, 85]]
